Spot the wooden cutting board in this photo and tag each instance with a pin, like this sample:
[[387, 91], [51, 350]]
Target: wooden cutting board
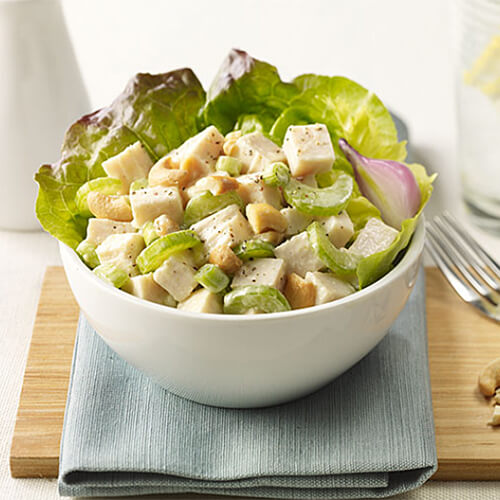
[[461, 342]]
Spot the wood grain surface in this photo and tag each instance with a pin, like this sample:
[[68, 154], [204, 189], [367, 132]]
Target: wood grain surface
[[461, 342]]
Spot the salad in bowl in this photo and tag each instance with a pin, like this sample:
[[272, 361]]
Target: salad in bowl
[[259, 196]]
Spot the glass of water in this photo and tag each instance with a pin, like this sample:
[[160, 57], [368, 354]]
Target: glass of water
[[478, 96]]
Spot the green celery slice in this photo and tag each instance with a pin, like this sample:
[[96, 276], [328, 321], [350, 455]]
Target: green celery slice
[[276, 174], [105, 185], [111, 273], [228, 164], [139, 184], [86, 251], [149, 233], [254, 249], [206, 204], [259, 297], [212, 277], [153, 256], [338, 261], [320, 201]]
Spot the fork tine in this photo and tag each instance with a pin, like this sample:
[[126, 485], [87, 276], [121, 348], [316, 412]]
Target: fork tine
[[458, 261], [464, 253], [457, 283], [484, 257]]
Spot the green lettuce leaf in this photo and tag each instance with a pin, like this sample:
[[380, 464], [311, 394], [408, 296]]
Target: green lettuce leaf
[[158, 110], [246, 86], [371, 268], [348, 110]]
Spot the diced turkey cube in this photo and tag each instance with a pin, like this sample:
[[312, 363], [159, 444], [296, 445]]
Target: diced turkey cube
[[296, 220], [99, 229], [299, 255], [146, 288], [256, 151], [121, 250], [227, 227], [199, 154], [373, 238], [149, 203], [202, 301], [268, 271], [328, 287], [253, 189], [176, 276], [339, 228], [308, 149], [131, 164]]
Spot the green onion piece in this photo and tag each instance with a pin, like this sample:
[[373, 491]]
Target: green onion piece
[[113, 274], [212, 277], [206, 204], [86, 251], [340, 262], [149, 233], [139, 184], [276, 174], [230, 165], [262, 298], [153, 256], [254, 249], [105, 185], [320, 201]]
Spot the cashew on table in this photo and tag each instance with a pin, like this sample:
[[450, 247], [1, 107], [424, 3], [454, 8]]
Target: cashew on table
[[489, 382]]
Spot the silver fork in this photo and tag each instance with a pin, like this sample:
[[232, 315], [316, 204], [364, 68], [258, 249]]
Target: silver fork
[[469, 269]]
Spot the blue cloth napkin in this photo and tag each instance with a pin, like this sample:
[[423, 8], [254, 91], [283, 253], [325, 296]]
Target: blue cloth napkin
[[370, 433]]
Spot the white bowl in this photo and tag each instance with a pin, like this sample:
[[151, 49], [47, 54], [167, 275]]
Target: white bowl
[[244, 361]]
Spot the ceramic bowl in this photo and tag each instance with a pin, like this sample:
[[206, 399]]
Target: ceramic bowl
[[251, 360]]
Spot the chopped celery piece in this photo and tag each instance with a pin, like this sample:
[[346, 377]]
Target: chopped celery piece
[[113, 274], [149, 233], [153, 256], [105, 185], [212, 277], [340, 262], [262, 298], [206, 204], [230, 165], [139, 184], [199, 255], [276, 174], [320, 201], [254, 249], [86, 251]]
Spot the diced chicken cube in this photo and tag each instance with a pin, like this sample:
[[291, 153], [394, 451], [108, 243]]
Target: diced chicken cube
[[227, 227], [150, 203], [299, 255], [121, 250], [202, 301], [146, 288], [131, 164], [99, 229], [299, 292], [216, 184], [373, 238], [339, 228], [296, 221], [328, 287], [253, 189], [308, 149], [268, 271], [256, 151], [176, 276], [199, 154]]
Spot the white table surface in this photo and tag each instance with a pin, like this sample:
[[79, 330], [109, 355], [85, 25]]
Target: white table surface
[[401, 50]]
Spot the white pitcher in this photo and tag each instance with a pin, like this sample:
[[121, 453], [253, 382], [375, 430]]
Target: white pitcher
[[41, 94]]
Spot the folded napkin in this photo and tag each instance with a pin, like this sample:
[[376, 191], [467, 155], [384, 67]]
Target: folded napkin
[[370, 433]]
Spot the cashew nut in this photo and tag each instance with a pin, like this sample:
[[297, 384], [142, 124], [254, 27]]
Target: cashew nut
[[105, 206], [497, 396], [224, 257], [161, 175], [489, 378], [230, 141], [299, 292], [273, 237], [164, 225], [495, 418], [264, 217]]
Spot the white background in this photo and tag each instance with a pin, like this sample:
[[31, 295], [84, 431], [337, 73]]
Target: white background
[[402, 50]]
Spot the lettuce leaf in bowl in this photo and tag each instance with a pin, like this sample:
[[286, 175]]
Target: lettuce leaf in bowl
[[160, 111]]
